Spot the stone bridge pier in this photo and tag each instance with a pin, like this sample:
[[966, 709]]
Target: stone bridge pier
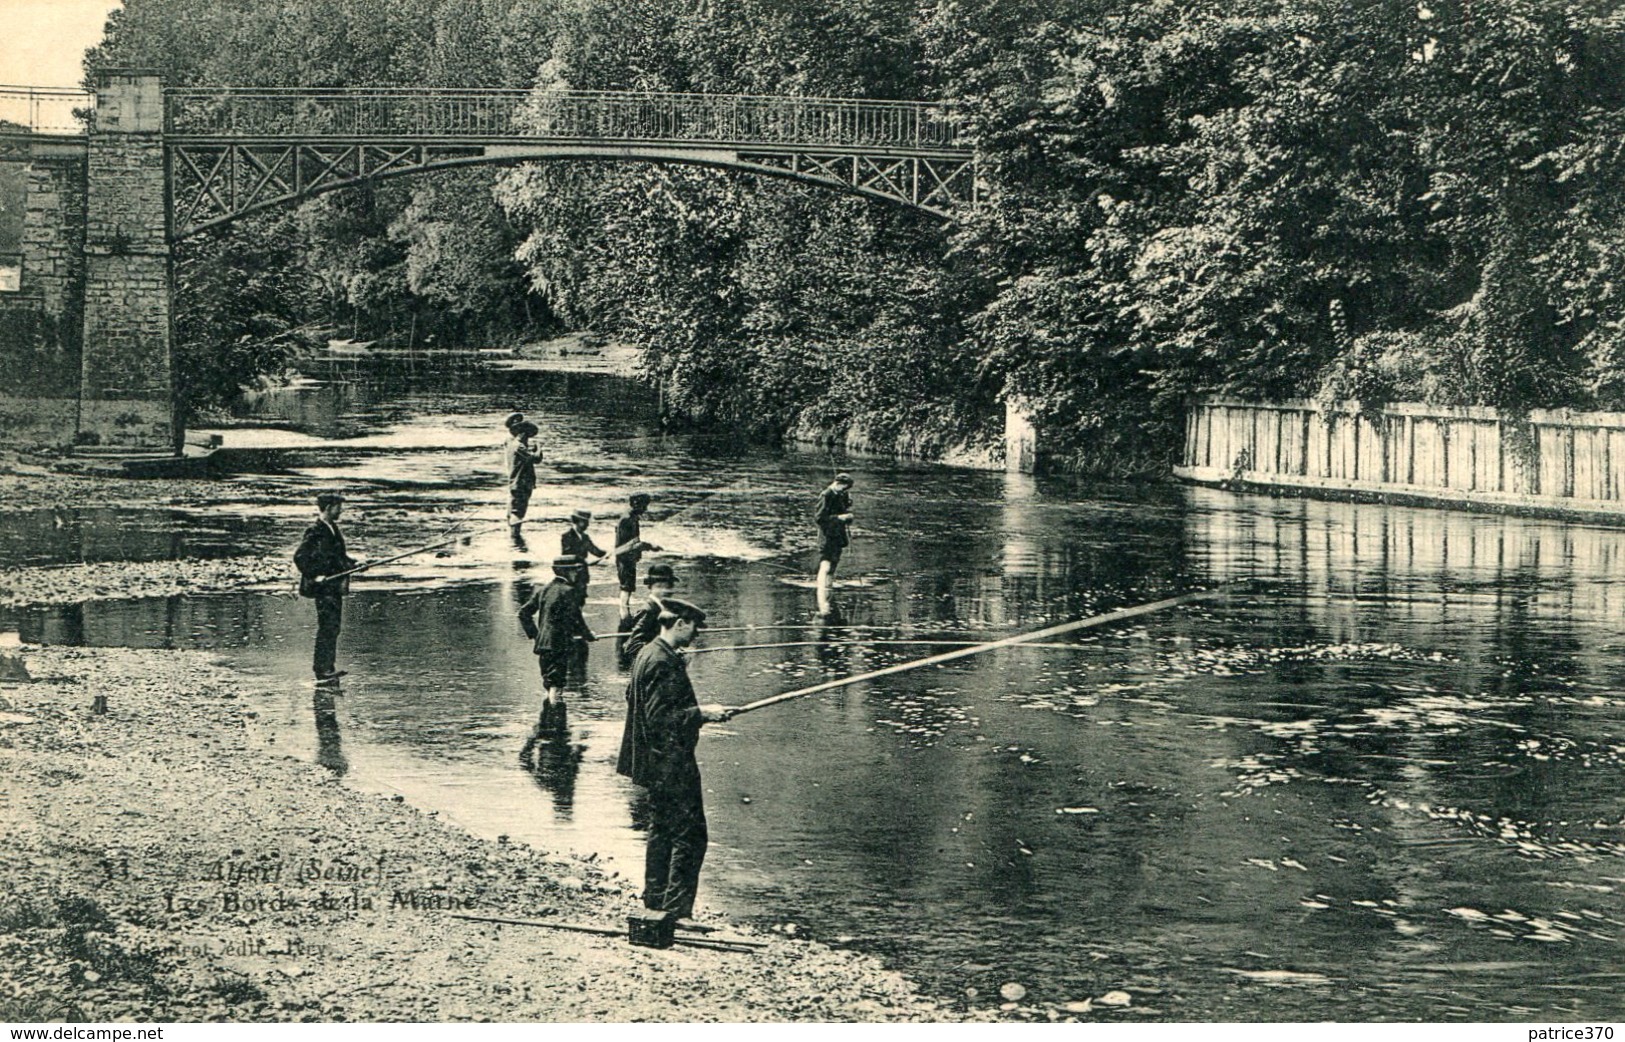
[[85, 277], [127, 399], [87, 281]]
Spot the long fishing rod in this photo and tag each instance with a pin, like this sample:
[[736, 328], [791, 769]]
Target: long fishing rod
[[807, 626], [408, 553], [977, 649], [245, 584], [723, 944], [865, 644]]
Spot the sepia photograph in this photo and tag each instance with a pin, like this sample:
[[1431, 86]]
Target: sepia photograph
[[995, 512]]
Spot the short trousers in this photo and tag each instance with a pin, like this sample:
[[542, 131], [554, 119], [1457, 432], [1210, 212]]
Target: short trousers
[[519, 502], [555, 666], [831, 552], [627, 572]]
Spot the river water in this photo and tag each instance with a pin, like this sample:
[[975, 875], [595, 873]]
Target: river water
[[1380, 782]]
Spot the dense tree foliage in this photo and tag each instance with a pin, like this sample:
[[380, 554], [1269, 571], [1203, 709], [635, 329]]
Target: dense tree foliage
[[1372, 199], [426, 261]]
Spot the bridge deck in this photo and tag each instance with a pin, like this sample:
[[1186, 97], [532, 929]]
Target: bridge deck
[[237, 150], [502, 116]]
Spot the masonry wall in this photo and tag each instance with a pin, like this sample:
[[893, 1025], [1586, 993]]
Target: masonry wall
[[127, 390], [1552, 460], [41, 325]]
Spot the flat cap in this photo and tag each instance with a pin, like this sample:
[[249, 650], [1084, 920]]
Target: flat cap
[[673, 610], [843, 478], [661, 573], [327, 499], [566, 561], [639, 500], [581, 515]]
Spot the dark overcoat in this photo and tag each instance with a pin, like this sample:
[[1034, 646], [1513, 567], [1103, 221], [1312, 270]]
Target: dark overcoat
[[641, 631], [662, 721]]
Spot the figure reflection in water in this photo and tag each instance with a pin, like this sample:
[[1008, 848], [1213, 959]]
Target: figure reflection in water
[[329, 753], [834, 650], [557, 765]]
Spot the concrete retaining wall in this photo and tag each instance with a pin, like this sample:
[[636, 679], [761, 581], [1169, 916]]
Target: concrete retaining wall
[[1551, 461]]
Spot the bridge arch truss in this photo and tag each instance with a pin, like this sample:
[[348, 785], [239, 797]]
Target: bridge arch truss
[[232, 152]]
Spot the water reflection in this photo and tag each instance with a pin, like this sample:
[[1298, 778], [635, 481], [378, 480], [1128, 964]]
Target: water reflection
[[329, 748], [89, 535], [557, 764], [1380, 784]]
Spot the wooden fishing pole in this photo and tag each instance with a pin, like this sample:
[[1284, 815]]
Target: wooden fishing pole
[[977, 649], [405, 554], [716, 943], [863, 644], [809, 626]]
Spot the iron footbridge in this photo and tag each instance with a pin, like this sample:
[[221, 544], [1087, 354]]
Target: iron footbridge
[[234, 151]]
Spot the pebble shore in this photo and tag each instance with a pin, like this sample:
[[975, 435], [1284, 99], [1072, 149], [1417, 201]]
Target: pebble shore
[[161, 867]]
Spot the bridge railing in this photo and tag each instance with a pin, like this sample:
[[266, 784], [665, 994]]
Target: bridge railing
[[44, 110], [439, 115]]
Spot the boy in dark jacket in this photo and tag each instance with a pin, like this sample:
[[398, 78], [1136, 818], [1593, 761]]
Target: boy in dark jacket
[[320, 557], [629, 547], [576, 543], [834, 515], [553, 622], [645, 625]]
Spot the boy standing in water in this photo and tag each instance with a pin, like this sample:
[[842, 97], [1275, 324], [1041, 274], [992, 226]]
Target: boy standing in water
[[576, 543], [320, 557], [522, 455], [553, 622], [834, 514], [644, 627], [629, 547]]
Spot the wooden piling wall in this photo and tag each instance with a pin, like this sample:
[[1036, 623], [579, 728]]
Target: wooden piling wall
[[1550, 461]]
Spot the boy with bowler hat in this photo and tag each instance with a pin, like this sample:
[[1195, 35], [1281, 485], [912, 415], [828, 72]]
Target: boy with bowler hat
[[575, 542], [645, 625], [552, 619], [522, 455], [663, 719], [320, 557]]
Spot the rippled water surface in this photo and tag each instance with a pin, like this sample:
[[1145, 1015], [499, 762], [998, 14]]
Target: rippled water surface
[[1381, 780]]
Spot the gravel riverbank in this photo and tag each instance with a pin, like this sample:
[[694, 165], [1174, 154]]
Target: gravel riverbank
[[161, 867]]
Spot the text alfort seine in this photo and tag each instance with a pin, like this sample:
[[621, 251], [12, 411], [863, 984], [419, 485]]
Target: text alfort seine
[[307, 870]]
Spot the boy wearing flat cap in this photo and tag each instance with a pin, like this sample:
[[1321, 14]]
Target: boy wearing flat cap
[[553, 622], [663, 719], [629, 547]]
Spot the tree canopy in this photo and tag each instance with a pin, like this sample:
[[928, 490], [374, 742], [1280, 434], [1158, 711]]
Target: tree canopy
[[1377, 200]]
